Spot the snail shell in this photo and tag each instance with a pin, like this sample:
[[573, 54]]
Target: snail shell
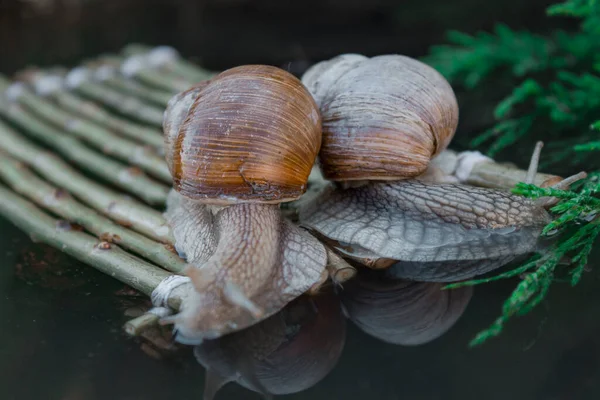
[[289, 352], [402, 312], [250, 134], [384, 117]]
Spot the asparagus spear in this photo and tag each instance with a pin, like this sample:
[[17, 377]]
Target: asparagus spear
[[104, 256], [126, 211], [123, 176], [21, 180], [127, 105], [164, 55], [126, 85], [96, 135]]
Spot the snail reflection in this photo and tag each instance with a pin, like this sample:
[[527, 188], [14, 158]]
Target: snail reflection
[[286, 353], [399, 311]]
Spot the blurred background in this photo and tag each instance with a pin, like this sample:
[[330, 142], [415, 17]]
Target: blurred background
[[224, 33]]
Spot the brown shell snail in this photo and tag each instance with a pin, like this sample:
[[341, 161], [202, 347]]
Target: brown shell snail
[[237, 146], [383, 120]]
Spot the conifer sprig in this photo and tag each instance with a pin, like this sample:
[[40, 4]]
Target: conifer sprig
[[556, 94]]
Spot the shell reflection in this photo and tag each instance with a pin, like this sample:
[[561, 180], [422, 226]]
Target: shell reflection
[[288, 352], [402, 312]]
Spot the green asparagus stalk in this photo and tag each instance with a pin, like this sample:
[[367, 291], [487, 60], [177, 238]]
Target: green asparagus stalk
[[125, 85], [93, 112], [97, 136], [123, 176], [127, 105], [175, 62], [139, 324], [156, 76], [105, 257], [108, 70], [125, 211], [24, 182], [52, 83]]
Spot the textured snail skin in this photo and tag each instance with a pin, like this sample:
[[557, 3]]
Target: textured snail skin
[[236, 146], [426, 223], [248, 263], [384, 117], [250, 134], [403, 312], [286, 353]]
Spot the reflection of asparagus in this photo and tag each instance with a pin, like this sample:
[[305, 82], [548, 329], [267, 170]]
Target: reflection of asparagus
[[123, 176], [125, 211], [106, 257], [60, 203], [97, 136]]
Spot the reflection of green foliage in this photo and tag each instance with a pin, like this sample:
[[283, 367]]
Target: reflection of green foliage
[[556, 88]]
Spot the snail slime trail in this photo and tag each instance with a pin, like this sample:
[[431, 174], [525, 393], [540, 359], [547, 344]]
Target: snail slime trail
[[237, 146], [384, 118]]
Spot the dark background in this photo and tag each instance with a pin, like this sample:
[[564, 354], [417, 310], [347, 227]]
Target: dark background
[[224, 33], [65, 342]]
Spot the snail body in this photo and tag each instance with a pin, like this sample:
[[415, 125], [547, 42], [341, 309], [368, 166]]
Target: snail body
[[237, 146], [427, 227], [384, 118], [288, 352]]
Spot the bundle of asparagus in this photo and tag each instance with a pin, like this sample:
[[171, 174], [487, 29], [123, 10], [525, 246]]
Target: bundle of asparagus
[[104, 118]]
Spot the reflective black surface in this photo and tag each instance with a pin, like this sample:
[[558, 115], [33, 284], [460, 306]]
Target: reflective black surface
[[62, 339]]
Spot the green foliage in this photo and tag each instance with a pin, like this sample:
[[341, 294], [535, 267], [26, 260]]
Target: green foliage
[[556, 97], [587, 10], [579, 208], [563, 103]]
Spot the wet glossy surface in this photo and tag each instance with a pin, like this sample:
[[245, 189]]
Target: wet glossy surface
[[65, 342]]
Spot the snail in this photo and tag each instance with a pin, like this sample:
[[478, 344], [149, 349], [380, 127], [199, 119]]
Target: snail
[[384, 118], [237, 146], [402, 312], [287, 353]]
